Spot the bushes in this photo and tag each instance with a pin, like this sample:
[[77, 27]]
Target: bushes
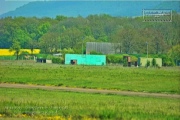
[[67, 51], [44, 56], [49, 57], [125, 63], [24, 55], [95, 53], [119, 59], [114, 58], [133, 58], [167, 61], [58, 60], [148, 63], [154, 62]]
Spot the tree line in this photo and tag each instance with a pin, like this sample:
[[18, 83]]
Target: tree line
[[51, 35]]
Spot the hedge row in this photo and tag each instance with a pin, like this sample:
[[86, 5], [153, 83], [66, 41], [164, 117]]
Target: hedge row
[[58, 60]]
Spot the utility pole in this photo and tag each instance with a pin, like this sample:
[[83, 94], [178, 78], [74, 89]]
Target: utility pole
[[82, 44], [147, 49]]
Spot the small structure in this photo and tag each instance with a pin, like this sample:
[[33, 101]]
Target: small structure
[[48, 61], [143, 61], [103, 47], [41, 60], [81, 59], [128, 61]]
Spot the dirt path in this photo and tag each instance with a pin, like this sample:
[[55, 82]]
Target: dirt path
[[126, 93]]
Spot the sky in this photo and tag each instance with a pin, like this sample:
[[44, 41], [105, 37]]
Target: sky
[[10, 5]]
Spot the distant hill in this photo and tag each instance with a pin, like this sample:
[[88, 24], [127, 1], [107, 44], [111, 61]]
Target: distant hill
[[85, 8], [173, 5]]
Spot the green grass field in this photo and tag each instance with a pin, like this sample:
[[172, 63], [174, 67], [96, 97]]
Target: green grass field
[[54, 104], [45, 104], [163, 80]]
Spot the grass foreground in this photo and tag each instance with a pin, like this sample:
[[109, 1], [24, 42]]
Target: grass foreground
[[163, 80], [46, 104], [18, 103]]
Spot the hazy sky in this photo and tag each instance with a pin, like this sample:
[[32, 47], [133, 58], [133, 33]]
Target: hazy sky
[[10, 5]]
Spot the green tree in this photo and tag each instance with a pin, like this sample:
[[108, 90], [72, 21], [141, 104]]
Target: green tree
[[127, 34], [50, 42], [128, 37], [7, 29], [32, 44], [60, 18], [71, 38], [148, 63], [153, 62], [16, 47], [117, 41], [174, 53], [42, 29]]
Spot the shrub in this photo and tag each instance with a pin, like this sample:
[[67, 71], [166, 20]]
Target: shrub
[[125, 63], [95, 53], [148, 63], [44, 56], [67, 51], [167, 61], [133, 58], [154, 62], [114, 58], [58, 60], [49, 57], [24, 55]]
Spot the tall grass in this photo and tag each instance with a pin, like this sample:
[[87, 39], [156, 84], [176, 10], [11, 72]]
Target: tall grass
[[41, 104], [7, 57], [164, 80]]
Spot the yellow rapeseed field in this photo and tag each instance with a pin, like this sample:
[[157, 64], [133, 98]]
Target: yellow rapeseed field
[[6, 52]]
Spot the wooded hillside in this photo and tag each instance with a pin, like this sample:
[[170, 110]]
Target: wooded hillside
[[52, 35]]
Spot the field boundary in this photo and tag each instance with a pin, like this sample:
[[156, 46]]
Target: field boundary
[[85, 90]]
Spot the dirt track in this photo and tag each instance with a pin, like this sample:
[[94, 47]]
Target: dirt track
[[126, 93]]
